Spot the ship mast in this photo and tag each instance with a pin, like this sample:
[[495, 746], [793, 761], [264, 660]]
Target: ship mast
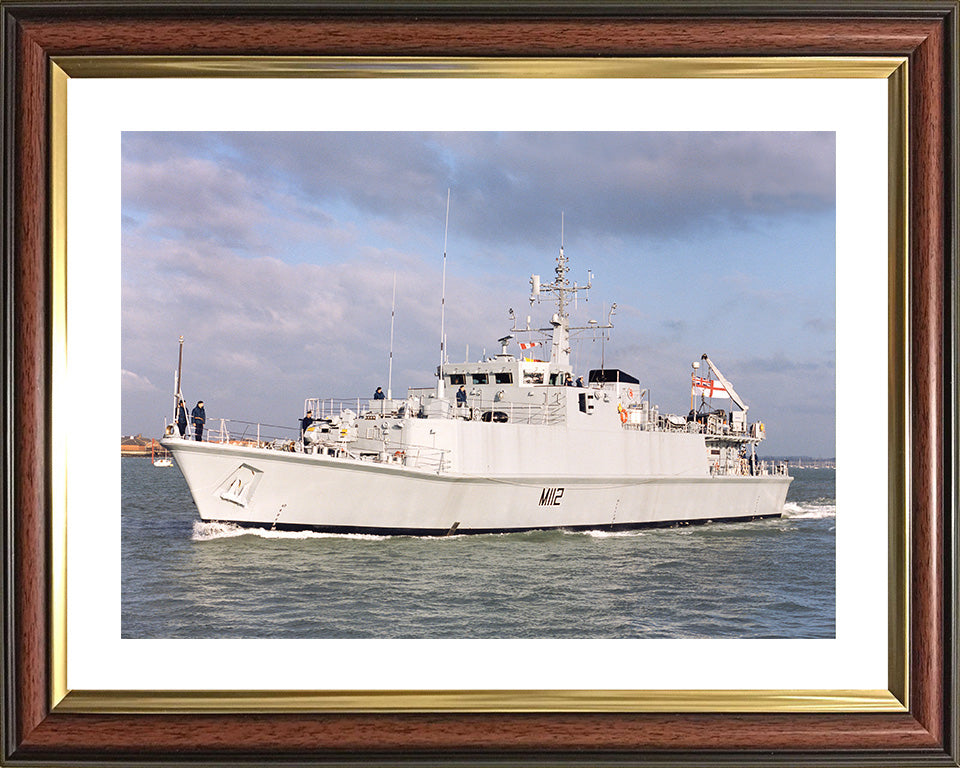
[[564, 292], [560, 348]]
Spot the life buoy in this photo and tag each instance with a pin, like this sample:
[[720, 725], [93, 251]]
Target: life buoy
[[623, 414], [630, 392]]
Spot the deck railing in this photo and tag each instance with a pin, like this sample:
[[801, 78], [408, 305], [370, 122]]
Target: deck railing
[[282, 438], [475, 408], [330, 407], [478, 409], [741, 467], [249, 433]]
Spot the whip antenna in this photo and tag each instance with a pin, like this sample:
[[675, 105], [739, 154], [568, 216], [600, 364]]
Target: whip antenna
[[443, 294], [393, 311]]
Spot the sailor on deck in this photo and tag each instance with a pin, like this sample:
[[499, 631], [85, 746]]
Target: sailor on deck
[[378, 395], [199, 417], [305, 422], [461, 397], [182, 418]]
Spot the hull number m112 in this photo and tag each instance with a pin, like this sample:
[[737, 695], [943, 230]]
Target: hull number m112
[[551, 497]]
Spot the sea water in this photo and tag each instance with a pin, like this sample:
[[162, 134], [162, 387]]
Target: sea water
[[183, 578]]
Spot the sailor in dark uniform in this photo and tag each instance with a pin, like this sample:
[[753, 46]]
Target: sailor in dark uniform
[[305, 422], [461, 397], [199, 417], [182, 418], [378, 395]]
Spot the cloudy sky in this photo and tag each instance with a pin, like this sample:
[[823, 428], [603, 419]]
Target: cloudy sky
[[274, 255]]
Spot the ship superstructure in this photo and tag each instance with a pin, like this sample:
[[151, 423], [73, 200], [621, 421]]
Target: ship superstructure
[[507, 443]]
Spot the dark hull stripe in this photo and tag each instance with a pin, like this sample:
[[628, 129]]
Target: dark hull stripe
[[378, 531]]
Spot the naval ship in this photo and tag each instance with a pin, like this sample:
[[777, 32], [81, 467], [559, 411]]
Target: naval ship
[[508, 443]]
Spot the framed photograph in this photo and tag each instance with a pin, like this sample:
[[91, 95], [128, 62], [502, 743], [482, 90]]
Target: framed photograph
[[265, 179]]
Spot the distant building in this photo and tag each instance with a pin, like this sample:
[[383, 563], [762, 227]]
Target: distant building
[[138, 445]]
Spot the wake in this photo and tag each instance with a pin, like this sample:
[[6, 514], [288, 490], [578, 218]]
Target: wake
[[206, 531], [809, 510]]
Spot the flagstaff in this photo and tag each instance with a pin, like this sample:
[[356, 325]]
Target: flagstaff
[[178, 395]]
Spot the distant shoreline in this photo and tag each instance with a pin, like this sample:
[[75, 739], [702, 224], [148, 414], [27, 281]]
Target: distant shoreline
[[807, 462]]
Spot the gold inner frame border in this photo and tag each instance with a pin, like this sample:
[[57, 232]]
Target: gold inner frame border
[[895, 699]]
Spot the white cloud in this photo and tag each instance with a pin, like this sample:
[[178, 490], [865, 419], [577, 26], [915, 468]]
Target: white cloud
[[132, 382], [634, 184]]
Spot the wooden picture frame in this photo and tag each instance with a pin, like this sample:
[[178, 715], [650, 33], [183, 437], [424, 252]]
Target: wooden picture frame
[[36, 731]]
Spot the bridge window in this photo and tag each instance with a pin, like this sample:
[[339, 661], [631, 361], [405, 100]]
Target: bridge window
[[533, 377], [504, 378], [456, 379], [479, 378]]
